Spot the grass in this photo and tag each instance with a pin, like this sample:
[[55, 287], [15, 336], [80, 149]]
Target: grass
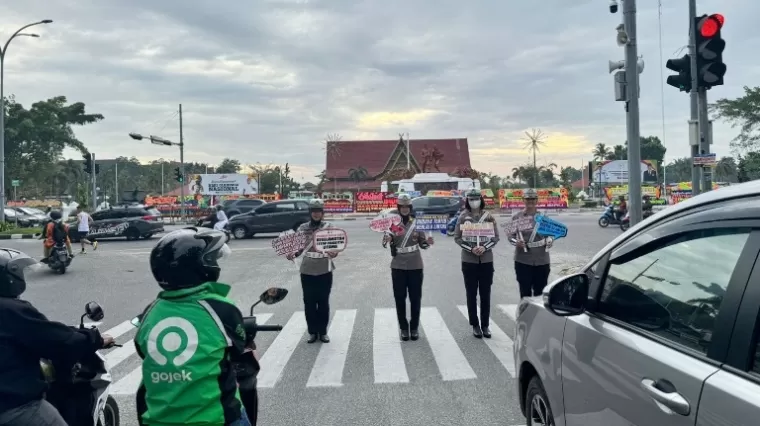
[[22, 231]]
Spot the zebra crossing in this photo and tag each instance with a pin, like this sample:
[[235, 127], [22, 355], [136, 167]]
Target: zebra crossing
[[388, 362]]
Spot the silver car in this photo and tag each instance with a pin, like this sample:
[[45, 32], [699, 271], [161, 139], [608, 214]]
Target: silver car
[[660, 328]]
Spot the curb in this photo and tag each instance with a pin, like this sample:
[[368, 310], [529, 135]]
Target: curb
[[19, 236]]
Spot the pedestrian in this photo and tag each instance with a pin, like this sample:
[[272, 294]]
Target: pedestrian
[[84, 220], [316, 275], [477, 263], [406, 267], [531, 255]]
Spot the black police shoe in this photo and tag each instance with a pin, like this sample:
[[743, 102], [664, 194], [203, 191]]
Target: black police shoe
[[477, 332], [486, 333], [415, 334], [312, 338], [324, 338], [404, 335]]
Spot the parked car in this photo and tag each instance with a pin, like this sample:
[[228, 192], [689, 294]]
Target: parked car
[[436, 205], [35, 214], [276, 216], [241, 205], [661, 327], [21, 219], [129, 221]]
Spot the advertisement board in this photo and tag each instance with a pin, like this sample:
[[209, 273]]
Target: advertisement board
[[551, 198], [615, 172], [222, 184], [373, 202], [655, 194]]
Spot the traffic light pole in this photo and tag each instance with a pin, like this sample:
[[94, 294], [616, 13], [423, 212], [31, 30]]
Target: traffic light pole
[[693, 96], [704, 140], [182, 168], [632, 113], [94, 185]]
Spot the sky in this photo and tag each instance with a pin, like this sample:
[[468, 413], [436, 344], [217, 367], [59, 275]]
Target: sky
[[265, 81]]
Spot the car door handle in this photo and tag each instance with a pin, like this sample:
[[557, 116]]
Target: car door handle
[[673, 400]]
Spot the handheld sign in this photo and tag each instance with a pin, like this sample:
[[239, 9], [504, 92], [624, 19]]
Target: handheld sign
[[384, 223], [478, 230], [519, 225], [550, 227], [289, 243], [331, 240], [432, 223]]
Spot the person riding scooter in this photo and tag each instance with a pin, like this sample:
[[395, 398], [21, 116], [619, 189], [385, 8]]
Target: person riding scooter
[[55, 232], [621, 209]]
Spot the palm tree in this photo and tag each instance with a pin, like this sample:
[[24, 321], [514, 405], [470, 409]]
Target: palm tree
[[619, 152], [726, 169], [357, 174], [536, 138], [601, 151]]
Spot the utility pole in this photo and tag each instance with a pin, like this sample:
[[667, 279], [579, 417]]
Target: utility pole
[[632, 116], [694, 99], [182, 167], [94, 184]]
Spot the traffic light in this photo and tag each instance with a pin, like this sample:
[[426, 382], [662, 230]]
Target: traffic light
[[178, 175], [682, 66], [87, 163], [710, 46], [97, 169]]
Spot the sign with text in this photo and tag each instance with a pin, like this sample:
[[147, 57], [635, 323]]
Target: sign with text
[[478, 230], [432, 223], [289, 243], [551, 198], [384, 223], [222, 184], [521, 225], [331, 240], [339, 206], [371, 202], [550, 227]]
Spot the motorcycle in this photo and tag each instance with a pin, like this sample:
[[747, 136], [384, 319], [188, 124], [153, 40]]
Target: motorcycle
[[80, 390], [269, 297], [608, 217], [59, 258], [202, 223], [626, 222]]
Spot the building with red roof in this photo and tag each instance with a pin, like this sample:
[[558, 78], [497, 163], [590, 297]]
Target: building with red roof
[[380, 157]]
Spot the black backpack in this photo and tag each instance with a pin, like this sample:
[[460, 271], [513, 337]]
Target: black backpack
[[59, 231]]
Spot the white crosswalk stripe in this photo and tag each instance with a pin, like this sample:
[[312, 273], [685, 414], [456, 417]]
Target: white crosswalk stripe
[[389, 362]]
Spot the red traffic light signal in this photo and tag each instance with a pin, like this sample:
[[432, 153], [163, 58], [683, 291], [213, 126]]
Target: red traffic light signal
[[709, 26]]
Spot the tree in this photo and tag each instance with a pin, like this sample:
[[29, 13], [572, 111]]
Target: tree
[[651, 149], [229, 166], [322, 179], [619, 152], [749, 167], [601, 152], [742, 112], [536, 139], [357, 174], [35, 139], [466, 172]]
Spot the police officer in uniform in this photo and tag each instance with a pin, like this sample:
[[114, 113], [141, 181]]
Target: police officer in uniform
[[531, 258], [477, 263], [316, 275], [406, 267]]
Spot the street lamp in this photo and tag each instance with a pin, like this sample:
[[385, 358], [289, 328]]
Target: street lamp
[[165, 142], [3, 51]]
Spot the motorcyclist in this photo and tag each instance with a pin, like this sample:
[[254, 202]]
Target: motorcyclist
[[55, 232], [621, 209], [646, 206], [211, 218], [221, 218], [203, 368], [26, 335]]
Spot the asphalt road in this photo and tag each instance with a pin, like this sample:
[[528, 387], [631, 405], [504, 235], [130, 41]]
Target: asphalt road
[[446, 378]]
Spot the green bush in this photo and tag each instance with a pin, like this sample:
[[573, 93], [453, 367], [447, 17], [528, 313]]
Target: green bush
[[6, 226]]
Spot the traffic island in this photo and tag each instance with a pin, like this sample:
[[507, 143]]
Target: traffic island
[[21, 234]]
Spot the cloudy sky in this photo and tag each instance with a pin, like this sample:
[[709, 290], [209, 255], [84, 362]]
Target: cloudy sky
[[266, 80]]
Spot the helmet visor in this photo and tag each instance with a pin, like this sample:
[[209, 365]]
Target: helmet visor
[[17, 266], [224, 254]]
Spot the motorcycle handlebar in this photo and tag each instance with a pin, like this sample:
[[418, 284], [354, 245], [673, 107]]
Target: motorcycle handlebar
[[251, 327], [274, 327]]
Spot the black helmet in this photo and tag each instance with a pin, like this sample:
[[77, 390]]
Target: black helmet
[[219, 206], [188, 258], [12, 265], [55, 215]]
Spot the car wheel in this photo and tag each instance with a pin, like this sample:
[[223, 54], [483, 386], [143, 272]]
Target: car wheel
[[132, 234], [538, 410], [239, 232], [148, 236]]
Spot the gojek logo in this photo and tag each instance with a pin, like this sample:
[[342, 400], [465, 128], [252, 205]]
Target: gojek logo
[[172, 338]]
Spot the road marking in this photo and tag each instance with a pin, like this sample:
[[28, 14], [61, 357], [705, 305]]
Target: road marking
[[510, 310], [388, 360], [500, 344], [279, 352], [328, 369], [118, 355], [128, 384], [450, 359]]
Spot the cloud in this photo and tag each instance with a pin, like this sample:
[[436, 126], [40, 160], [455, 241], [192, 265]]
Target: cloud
[[265, 81]]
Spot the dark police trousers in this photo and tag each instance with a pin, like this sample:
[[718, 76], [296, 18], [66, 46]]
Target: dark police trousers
[[316, 301], [35, 413], [531, 278], [407, 281], [478, 278]]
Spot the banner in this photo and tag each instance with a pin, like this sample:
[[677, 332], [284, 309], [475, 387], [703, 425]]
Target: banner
[[475, 230], [373, 202], [384, 224], [553, 198], [432, 223], [615, 172], [550, 227], [522, 224], [338, 206], [654, 193], [222, 184]]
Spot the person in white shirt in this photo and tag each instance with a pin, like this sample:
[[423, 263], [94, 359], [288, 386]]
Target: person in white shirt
[[84, 220], [221, 218]]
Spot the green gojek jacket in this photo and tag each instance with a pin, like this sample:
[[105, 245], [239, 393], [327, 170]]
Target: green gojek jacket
[[187, 339]]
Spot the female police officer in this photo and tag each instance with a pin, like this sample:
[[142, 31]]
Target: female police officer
[[406, 267], [477, 263], [531, 258], [316, 275]]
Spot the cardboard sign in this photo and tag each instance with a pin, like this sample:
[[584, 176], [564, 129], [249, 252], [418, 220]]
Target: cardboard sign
[[331, 240], [430, 223], [522, 224], [550, 227], [384, 223], [477, 230], [289, 243]]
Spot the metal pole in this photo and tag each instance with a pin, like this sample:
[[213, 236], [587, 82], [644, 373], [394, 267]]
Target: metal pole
[[162, 177], [632, 117], [693, 96], [181, 167], [2, 137], [116, 182], [94, 184], [704, 140]]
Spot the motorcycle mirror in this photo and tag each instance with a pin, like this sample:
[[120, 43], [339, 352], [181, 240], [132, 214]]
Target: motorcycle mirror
[[93, 311], [273, 295]]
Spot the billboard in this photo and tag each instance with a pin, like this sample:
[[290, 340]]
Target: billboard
[[222, 184], [615, 172]]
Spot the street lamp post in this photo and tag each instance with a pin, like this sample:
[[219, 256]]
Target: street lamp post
[[161, 141], [2, 108]]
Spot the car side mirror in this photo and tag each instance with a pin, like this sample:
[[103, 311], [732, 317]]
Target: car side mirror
[[567, 296], [93, 311]]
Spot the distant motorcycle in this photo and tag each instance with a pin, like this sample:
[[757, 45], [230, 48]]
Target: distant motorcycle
[[608, 217], [626, 222], [59, 258], [452, 225]]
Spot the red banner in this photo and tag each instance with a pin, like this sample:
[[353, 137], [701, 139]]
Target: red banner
[[373, 202], [338, 206]]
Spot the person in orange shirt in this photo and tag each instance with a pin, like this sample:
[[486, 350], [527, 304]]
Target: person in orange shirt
[[55, 230]]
